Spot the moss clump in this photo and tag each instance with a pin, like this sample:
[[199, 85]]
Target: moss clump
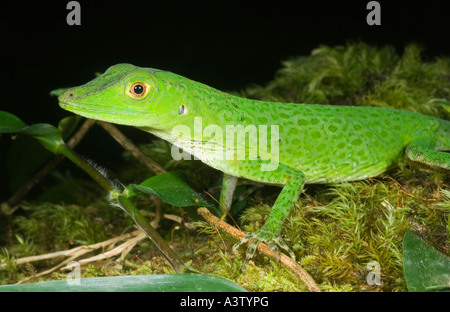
[[359, 74]]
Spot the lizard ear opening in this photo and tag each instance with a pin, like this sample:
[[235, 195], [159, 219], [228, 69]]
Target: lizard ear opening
[[181, 110]]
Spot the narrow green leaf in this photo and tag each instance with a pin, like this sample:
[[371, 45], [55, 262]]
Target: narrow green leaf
[[68, 125], [135, 283], [170, 187], [48, 135], [10, 122], [425, 268]]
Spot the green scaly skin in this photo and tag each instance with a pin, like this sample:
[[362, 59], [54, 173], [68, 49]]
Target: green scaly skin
[[317, 143]]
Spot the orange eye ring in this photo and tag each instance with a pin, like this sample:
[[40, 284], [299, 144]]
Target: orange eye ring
[[138, 89]]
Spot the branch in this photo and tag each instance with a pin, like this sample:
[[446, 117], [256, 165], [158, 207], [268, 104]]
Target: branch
[[131, 147], [263, 248]]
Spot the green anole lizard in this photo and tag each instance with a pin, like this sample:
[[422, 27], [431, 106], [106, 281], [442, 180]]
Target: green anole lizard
[[313, 143]]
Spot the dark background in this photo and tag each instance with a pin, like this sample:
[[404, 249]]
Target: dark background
[[228, 45]]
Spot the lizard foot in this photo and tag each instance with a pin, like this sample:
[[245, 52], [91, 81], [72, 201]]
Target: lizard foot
[[262, 235]]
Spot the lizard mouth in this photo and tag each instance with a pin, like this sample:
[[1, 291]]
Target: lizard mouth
[[105, 112], [84, 111], [88, 109]]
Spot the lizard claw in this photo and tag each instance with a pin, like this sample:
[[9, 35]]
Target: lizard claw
[[262, 236]]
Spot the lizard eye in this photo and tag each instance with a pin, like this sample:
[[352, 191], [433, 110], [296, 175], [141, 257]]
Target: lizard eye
[[138, 89]]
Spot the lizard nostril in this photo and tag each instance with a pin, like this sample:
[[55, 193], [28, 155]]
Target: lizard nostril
[[70, 95]]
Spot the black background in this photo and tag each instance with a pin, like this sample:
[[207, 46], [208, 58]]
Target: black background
[[228, 45]]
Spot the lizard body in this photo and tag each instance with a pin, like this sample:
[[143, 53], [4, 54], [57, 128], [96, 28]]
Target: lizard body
[[314, 143]]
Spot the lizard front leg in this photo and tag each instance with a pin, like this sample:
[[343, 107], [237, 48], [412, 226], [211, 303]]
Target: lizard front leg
[[269, 233]]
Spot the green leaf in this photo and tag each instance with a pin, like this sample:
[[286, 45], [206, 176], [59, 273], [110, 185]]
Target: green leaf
[[141, 283], [170, 187], [48, 135], [10, 123], [425, 268], [68, 125]]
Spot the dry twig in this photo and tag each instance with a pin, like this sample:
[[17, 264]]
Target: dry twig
[[263, 248], [131, 240], [131, 147]]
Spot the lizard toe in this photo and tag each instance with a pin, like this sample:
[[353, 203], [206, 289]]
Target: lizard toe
[[266, 237]]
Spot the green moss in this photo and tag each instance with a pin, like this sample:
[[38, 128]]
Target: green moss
[[93, 271], [335, 230], [359, 74]]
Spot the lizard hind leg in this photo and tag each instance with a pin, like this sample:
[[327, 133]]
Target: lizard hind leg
[[269, 233], [422, 151]]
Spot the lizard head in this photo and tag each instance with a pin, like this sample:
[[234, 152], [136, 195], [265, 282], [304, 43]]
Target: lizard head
[[129, 95]]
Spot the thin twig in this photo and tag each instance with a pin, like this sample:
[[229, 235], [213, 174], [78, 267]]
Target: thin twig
[[126, 246], [263, 248], [172, 217], [78, 251], [405, 191], [158, 211], [76, 138], [131, 147], [132, 239]]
